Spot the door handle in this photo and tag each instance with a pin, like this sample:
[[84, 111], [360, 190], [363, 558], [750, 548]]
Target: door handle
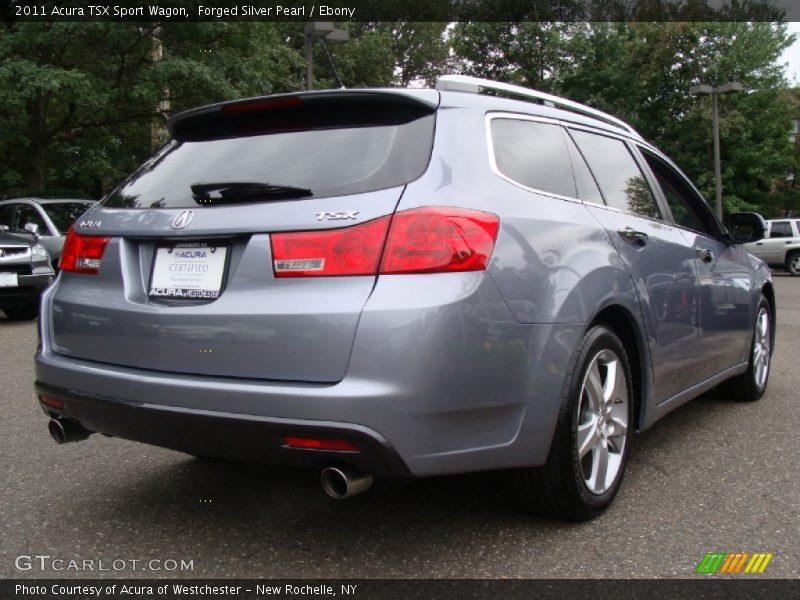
[[632, 236], [759, 243], [704, 254]]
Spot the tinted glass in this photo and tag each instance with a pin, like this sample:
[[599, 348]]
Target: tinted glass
[[329, 162], [27, 214], [780, 229], [619, 177], [683, 201], [587, 186], [64, 214], [533, 154], [7, 214]]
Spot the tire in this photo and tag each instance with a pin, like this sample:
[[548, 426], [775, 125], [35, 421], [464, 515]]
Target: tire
[[792, 265], [22, 313], [751, 385], [599, 416]]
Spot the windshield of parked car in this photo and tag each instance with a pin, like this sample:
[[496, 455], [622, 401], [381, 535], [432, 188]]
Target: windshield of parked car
[[64, 214]]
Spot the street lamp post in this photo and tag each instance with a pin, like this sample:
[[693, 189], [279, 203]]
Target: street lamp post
[[325, 32], [714, 92]]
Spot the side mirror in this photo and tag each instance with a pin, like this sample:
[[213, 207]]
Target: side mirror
[[746, 227], [3, 228], [33, 229]]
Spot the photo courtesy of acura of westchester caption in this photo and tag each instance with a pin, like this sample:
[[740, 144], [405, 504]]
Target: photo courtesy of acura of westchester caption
[[401, 283]]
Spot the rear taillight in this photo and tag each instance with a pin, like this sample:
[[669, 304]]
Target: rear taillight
[[348, 251], [420, 240], [439, 239], [82, 253]]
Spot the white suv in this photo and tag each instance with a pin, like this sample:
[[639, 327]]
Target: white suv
[[780, 247]]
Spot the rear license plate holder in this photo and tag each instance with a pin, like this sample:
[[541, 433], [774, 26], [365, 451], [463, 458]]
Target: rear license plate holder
[[189, 270]]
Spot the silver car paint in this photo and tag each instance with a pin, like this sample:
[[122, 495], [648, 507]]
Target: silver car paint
[[459, 371]]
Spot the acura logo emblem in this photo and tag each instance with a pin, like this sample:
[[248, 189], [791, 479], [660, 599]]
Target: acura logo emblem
[[182, 219]]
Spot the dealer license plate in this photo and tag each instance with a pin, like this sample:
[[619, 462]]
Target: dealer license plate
[[193, 270], [9, 280]]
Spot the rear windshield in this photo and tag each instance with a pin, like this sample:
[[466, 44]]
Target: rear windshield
[[310, 163]]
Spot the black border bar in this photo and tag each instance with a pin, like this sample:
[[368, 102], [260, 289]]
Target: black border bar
[[398, 10], [717, 588]]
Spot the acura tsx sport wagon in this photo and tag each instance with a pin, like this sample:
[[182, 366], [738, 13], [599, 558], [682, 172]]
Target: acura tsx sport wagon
[[397, 283]]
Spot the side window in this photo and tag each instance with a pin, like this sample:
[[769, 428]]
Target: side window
[[780, 229], [619, 177], [797, 228], [533, 154], [7, 214], [684, 203], [587, 186], [27, 214]]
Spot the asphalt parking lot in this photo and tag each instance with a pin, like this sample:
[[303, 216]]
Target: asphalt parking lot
[[713, 476]]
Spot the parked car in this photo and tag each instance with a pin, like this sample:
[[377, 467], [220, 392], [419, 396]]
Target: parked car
[[25, 271], [51, 218], [401, 283], [780, 247]]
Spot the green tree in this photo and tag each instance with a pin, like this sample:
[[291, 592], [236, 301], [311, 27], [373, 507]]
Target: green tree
[[79, 99], [642, 73]]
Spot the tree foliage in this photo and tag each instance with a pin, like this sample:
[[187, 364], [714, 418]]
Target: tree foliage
[[642, 73], [81, 104]]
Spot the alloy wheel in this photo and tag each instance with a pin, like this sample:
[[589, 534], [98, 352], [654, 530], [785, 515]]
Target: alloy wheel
[[602, 422], [761, 348]]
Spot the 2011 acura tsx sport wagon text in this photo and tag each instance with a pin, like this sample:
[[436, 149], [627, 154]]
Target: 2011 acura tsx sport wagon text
[[400, 283]]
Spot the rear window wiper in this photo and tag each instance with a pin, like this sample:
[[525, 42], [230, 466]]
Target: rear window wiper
[[248, 190]]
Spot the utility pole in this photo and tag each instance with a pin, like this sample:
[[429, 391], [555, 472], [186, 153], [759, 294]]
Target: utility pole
[[714, 92], [325, 32]]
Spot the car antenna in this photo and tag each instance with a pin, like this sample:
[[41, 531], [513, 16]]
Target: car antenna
[[333, 65]]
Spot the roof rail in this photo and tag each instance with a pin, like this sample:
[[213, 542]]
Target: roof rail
[[473, 85]]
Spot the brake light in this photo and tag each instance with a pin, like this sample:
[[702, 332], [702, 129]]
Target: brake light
[[321, 444], [439, 239], [251, 106], [347, 251], [420, 240], [82, 253]]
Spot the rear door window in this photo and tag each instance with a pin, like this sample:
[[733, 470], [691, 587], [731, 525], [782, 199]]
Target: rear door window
[[532, 154], [616, 172], [780, 229], [260, 163]]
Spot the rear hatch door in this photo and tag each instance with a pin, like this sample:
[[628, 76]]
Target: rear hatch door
[[186, 282]]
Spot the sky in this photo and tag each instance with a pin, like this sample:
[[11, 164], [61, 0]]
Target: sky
[[792, 56]]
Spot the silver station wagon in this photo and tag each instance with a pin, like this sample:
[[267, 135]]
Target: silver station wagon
[[401, 283]]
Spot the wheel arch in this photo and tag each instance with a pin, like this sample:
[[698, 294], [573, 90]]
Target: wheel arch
[[623, 323], [769, 294]]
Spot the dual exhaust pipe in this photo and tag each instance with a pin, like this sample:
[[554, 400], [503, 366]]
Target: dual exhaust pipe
[[64, 430], [338, 482], [344, 481]]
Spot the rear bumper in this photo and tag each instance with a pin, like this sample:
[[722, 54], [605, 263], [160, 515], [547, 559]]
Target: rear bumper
[[224, 435], [441, 381], [27, 292]]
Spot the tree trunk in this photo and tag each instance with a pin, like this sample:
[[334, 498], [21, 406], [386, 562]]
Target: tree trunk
[[36, 167]]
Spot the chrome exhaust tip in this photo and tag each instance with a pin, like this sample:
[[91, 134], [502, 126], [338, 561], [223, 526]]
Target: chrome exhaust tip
[[343, 482], [64, 430]]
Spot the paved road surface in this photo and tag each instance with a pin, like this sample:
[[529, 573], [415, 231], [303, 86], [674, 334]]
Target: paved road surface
[[712, 476]]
